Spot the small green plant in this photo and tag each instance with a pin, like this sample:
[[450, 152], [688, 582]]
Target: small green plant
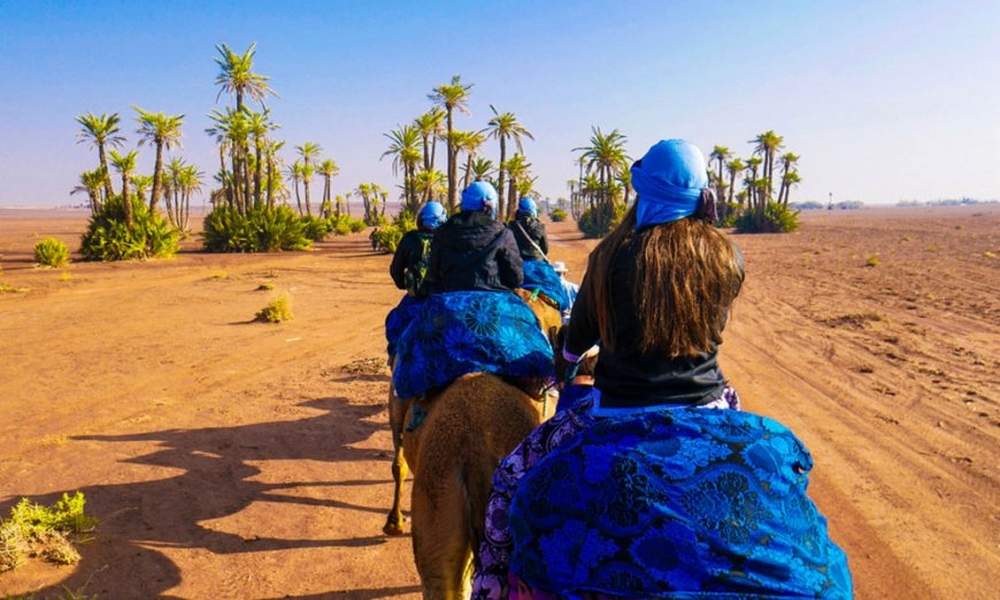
[[51, 252], [276, 311], [261, 229], [9, 289], [872, 261], [44, 532], [558, 215]]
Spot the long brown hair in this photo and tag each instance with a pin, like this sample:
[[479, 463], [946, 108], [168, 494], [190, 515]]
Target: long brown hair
[[685, 276]]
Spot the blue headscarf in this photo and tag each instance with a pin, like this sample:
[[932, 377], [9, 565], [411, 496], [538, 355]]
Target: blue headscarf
[[669, 180], [481, 195], [527, 206], [432, 215]]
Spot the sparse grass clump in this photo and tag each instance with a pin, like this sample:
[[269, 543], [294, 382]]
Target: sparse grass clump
[[276, 311], [989, 254], [50, 252], [9, 289], [872, 261], [267, 285], [44, 532]]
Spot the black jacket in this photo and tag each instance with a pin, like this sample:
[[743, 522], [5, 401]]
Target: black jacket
[[628, 377], [528, 229], [471, 251], [409, 263]]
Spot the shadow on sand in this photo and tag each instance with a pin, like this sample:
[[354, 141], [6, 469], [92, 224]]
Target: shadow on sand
[[215, 481]]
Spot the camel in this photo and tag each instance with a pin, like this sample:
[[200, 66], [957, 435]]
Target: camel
[[550, 322], [466, 429]]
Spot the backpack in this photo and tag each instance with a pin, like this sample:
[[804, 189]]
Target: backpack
[[416, 272]]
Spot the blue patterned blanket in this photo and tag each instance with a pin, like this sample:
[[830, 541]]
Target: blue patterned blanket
[[399, 318], [688, 503], [457, 333], [539, 275]]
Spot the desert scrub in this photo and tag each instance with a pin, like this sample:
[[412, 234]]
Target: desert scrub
[[50, 252], [276, 311], [872, 261], [267, 285], [43, 532]]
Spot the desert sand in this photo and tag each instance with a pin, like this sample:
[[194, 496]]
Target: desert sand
[[232, 459]]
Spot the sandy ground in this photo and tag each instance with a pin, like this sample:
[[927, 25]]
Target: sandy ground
[[233, 459]]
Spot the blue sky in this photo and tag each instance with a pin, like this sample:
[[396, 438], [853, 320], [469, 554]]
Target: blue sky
[[883, 100]]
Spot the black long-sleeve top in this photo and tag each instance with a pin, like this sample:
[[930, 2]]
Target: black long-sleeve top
[[471, 251], [626, 376], [528, 229]]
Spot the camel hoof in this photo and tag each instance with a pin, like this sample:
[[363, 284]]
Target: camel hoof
[[393, 527]]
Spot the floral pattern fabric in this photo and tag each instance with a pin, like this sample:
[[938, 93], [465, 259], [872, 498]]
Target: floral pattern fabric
[[399, 318], [457, 333], [681, 503]]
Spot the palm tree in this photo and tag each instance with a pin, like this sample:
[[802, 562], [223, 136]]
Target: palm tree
[[789, 176], [308, 151], [90, 183], [101, 131], [482, 169], [295, 174], [405, 150], [259, 124], [430, 185], [720, 154], [328, 169], [232, 130], [452, 96], [126, 166], [518, 169], [606, 155], [429, 125], [768, 145], [469, 143], [236, 77], [503, 127], [161, 131], [734, 167]]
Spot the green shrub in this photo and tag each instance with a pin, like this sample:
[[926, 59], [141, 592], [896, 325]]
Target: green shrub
[[316, 228], [44, 532], [276, 311], [558, 215], [50, 252], [262, 229], [345, 224], [387, 238], [598, 221], [872, 261], [109, 238], [777, 218]]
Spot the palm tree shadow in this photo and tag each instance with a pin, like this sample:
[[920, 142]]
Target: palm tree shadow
[[217, 467]]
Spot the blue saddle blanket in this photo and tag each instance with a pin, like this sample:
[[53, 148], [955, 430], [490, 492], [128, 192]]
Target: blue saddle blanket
[[539, 275], [686, 503], [399, 318], [457, 333]]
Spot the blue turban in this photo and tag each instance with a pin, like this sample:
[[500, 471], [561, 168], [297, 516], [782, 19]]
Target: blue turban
[[432, 215], [669, 180], [527, 206], [479, 196]]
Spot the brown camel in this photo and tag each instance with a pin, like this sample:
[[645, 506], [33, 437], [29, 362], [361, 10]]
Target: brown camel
[[549, 320], [466, 430]]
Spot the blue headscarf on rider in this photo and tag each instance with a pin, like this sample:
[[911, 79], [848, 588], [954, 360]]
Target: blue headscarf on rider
[[527, 206], [669, 181], [481, 195], [432, 215]]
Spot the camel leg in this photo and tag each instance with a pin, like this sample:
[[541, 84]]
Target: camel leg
[[398, 409], [441, 542]]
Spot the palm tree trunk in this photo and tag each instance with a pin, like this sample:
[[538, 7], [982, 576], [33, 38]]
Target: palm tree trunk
[[104, 169], [502, 204], [154, 196]]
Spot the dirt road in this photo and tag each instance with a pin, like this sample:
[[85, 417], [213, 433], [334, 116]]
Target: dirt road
[[233, 459]]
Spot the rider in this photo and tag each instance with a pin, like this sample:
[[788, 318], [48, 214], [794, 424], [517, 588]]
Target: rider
[[408, 270], [409, 263], [637, 490], [472, 251], [529, 231]]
